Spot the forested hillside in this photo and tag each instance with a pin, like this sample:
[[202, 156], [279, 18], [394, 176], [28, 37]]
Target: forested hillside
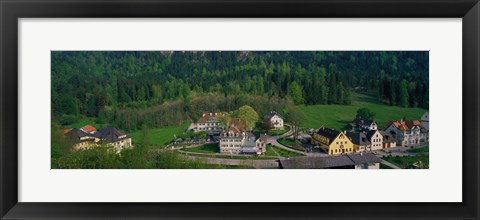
[[135, 89]]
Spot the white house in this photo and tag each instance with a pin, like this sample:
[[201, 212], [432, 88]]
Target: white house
[[209, 123], [273, 121]]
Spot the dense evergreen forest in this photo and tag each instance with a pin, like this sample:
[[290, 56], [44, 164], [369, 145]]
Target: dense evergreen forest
[[132, 90]]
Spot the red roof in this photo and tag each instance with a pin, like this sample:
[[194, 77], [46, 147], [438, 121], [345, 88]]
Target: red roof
[[404, 125], [237, 122], [67, 130], [206, 116], [89, 128]]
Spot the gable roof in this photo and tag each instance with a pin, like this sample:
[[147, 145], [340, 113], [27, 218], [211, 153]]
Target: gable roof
[[67, 130], [370, 134], [88, 128], [327, 132], [76, 135], [404, 125], [110, 135], [210, 117], [358, 138], [271, 114], [359, 121], [237, 122], [388, 138]]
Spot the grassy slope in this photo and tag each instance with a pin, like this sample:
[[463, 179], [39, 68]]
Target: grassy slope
[[337, 116], [161, 136], [85, 121]]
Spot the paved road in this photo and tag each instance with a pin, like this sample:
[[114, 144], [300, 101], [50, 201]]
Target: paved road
[[273, 140]]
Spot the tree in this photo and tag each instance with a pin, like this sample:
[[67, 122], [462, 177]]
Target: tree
[[403, 95], [365, 113], [248, 115], [295, 92], [294, 117]]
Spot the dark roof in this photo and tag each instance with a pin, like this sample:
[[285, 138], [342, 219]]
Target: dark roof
[[387, 137], [328, 162], [110, 135], [264, 138], [315, 162], [327, 132], [358, 138], [364, 158], [359, 121], [271, 114], [370, 134], [75, 136]]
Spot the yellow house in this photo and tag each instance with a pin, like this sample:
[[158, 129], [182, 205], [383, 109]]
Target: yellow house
[[332, 141]]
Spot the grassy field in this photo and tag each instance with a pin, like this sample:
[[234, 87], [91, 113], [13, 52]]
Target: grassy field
[[337, 116], [86, 121], [407, 162], [161, 136], [259, 131], [270, 151], [285, 153], [207, 148]]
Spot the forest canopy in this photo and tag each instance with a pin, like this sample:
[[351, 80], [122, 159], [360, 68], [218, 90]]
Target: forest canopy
[[158, 88]]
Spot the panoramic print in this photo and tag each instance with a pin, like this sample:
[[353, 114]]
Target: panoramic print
[[239, 109]]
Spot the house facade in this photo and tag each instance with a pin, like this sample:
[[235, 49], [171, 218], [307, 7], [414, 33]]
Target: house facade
[[116, 138], [209, 123], [333, 142], [376, 139], [80, 140], [366, 141], [235, 140], [388, 140], [360, 141], [273, 121], [407, 132]]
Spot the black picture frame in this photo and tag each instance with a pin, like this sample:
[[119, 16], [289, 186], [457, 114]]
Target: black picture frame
[[11, 11]]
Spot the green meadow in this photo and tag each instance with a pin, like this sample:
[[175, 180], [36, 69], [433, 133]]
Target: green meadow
[[160, 136], [338, 116]]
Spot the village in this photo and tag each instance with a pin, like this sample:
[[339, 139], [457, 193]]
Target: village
[[217, 138]]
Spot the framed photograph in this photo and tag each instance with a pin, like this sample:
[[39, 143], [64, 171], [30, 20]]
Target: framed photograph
[[251, 110]]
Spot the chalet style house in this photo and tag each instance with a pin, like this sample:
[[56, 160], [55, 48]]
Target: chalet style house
[[209, 122], [80, 139], [407, 132], [359, 124], [388, 140], [235, 140], [273, 121], [333, 142], [116, 138], [366, 141]]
